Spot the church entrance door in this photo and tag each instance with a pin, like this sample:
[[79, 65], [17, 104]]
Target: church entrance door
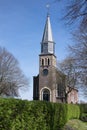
[[46, 95]]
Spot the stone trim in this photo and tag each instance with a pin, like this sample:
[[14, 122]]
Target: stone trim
[[41, 93]]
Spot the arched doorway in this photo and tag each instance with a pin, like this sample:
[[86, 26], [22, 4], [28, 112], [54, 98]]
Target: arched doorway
[[46, 95]]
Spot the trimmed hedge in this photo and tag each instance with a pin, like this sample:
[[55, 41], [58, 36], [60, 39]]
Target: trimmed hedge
[[83, 112], [18, 114], [73, 111], [83, 108], [24, 115], [60, 116]]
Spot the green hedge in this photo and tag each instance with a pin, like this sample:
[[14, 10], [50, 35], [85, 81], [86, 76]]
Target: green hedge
[[24, 115], [83, 108], [83, 112], [35, 115], [60, 116], [73, 111]]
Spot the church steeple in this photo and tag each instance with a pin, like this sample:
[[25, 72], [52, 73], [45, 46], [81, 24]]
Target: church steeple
[[47, 35], [47, 44]]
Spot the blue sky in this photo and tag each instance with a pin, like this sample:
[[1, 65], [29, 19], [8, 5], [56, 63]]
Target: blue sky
[[21, 29]]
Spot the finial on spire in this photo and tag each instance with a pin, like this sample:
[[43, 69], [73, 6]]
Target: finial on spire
[[48, 8]]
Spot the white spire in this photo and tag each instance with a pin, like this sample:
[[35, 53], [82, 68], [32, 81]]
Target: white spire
[[47, 35], [47, 44]]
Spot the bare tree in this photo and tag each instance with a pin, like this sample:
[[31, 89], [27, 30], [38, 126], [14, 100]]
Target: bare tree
[[75, 67], [79, 53], [68, 69], [76, 12], [11, 76]]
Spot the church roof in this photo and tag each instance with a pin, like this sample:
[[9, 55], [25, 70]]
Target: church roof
[[47, 35]]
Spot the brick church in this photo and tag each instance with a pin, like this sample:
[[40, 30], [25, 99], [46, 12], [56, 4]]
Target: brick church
[[50, 84]]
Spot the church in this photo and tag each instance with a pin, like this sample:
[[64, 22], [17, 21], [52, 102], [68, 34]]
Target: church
[[50, 83]]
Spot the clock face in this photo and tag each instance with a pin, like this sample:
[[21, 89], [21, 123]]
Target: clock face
[[45, 72]]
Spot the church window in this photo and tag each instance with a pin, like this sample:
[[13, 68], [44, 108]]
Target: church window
[[46, 95], [45, 61], [42, 62], [45, 72], [48, 61], [45, 48], [60, 90]]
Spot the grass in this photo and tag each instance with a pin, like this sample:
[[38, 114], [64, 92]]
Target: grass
[[75, 125]]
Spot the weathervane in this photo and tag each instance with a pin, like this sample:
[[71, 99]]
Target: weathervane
[[48, 8]]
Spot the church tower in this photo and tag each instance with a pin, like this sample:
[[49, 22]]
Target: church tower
[[49, 84], [47, 65]]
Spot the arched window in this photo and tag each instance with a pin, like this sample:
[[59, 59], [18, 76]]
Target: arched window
[[46, 95], [42, 62], [45, 61], [48, 61]]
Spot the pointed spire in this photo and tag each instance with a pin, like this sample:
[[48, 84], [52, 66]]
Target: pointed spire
[[47, 44], [47, 35]]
